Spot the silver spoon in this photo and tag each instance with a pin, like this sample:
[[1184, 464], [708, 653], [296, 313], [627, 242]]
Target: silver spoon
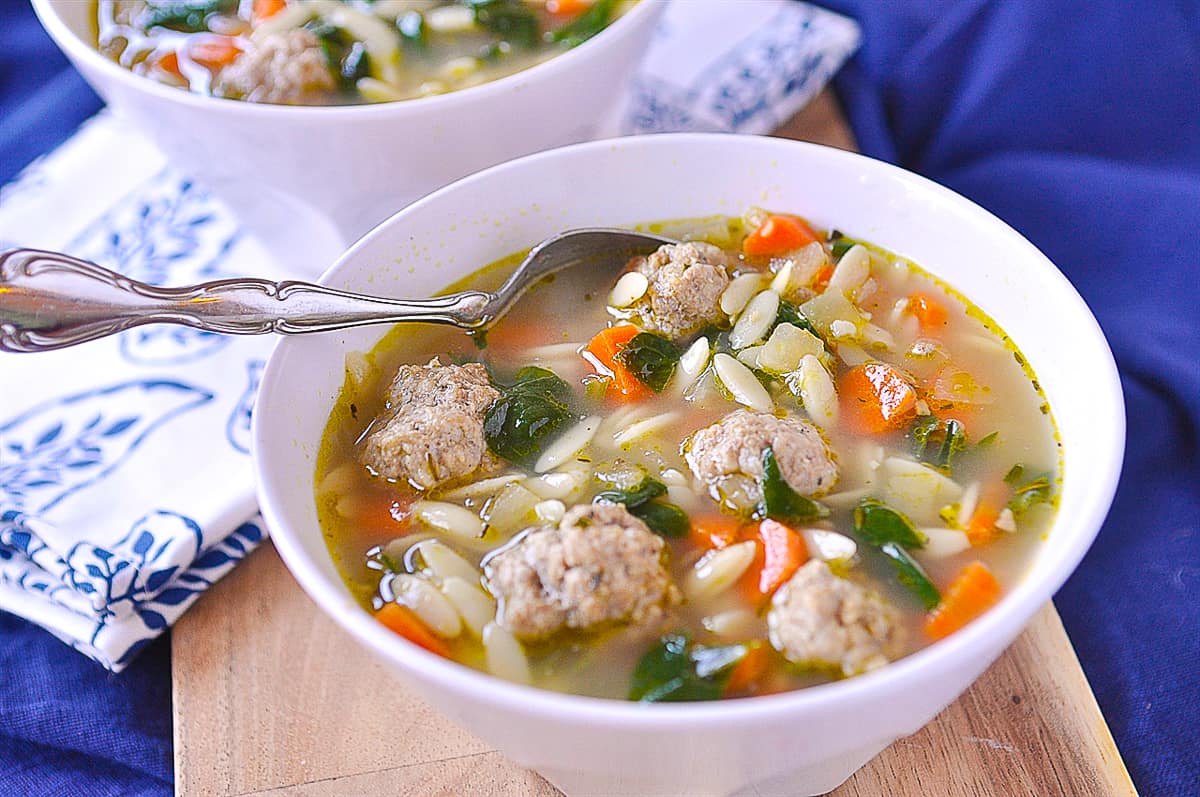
[[49, 300]]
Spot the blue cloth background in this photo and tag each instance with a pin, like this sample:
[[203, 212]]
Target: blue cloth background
[[1078, 123]]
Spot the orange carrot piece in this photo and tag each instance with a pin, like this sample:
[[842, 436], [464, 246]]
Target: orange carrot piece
[[981, 528], [783, 551], [747, 671], [930, 313], [876, 398], [567, 8], [604, 349], [404, 622], [214, 52], [973, 591], [263, 9], [820, 280], [384, 514], [778, 235], [170, 63], [716, 531]]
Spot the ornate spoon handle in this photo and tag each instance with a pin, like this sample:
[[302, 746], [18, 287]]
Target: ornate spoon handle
[[49, 300]]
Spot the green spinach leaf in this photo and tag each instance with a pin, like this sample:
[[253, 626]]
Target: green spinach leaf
[[652, 359], [878, 524], [790, 314], [586, 25], [665, 520], [675, 670], [412, 30], [936, 441], [512, 20], [647, 489], [345, 56], [186, 16], [910, 574], [1034, 491], [526, 414], [779, 501]]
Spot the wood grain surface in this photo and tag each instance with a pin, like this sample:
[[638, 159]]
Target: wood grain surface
[[272, 698]]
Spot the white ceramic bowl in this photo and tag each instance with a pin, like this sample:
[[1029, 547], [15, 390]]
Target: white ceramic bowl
[[804, 742], [310, 180]]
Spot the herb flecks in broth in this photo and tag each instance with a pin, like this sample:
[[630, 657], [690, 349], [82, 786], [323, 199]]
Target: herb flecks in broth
[[773, 456]]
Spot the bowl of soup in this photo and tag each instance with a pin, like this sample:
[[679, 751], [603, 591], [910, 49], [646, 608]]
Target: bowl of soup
[[316, 119], [726, 513]]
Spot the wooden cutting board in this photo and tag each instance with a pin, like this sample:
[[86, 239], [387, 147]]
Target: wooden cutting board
[[272, 698]]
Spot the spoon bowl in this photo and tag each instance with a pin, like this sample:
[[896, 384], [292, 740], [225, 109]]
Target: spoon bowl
[[50, 300]]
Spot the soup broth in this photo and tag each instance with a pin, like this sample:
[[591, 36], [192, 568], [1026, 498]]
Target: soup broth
[[784, 457], [337, 52]]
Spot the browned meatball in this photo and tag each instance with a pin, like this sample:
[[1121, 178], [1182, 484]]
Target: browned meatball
[[686, 283], [818, 619], [735, 444], [284, 68], [601, 565], [432, 430]]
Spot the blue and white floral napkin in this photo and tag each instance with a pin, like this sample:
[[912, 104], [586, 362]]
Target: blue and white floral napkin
[[125, 480]]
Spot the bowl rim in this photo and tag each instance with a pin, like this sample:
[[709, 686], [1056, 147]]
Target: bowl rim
[[77, 48], [1007, 619]]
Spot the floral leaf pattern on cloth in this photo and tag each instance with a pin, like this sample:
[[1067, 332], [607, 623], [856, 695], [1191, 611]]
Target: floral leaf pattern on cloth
[[69, 443], [238, 427], [168, 231], [710, 70]]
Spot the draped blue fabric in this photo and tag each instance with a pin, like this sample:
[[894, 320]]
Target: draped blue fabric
[[1077, 123]]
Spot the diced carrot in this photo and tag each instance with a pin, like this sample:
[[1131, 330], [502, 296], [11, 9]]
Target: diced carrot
[[404, 622], [876, 398], [716, 531], [512, 336], [170, 63], [783, 551], [973, 591], [778, 235], [929, 312], [381, 516], [567, 8], [820, 280], [214, 52], [981, 527], [604, 349], [747, 671], [263, 9]]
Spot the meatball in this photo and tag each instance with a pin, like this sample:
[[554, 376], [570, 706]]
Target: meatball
[[284, 69], [432, 430], [818, 619], [600, 565], [686, 283], [735, 444]]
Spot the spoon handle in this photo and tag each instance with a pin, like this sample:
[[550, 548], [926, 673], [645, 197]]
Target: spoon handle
[[49, 301]]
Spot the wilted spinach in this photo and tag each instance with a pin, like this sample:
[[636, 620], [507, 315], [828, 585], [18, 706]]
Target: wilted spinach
[[651, 358], [529, 411]]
